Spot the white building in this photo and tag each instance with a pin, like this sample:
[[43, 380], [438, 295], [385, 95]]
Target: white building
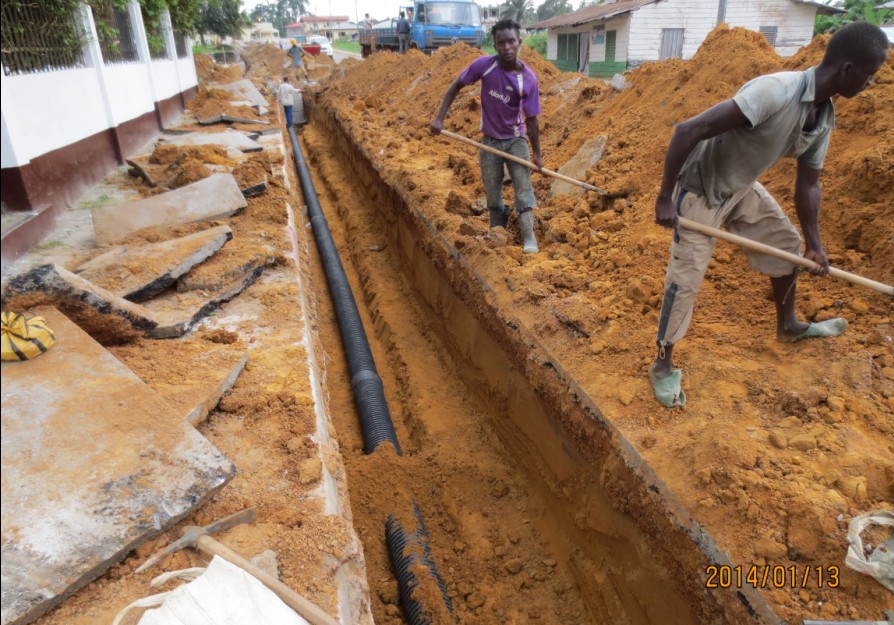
[[606, 39]]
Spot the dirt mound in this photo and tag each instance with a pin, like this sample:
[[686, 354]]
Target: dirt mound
[[210, 103], [780, 444], [209, 71]]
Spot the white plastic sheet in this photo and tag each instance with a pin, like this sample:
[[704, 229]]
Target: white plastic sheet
[[880, 563], [223, 595]]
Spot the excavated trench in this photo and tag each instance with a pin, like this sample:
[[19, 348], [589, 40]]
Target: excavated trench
[[538, 509]]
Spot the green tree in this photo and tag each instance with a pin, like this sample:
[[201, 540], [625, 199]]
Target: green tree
[[516, 10], [220, 17], [279, 13], [553, 8], [854, 10]]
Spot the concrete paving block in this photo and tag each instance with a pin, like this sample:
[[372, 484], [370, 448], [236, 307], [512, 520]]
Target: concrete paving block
[[95, 463], [213, 197], [228, 138], [577, 166], [64, 286], [223, 270], [245, 90], [200, 411], [138, 273], [177, 312]]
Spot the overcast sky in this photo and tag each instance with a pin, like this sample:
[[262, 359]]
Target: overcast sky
[[377, 9]]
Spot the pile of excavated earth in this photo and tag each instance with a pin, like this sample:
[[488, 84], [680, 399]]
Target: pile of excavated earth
[[531, 519], [779, 445]]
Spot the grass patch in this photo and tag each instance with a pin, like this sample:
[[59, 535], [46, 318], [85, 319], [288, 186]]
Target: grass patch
[[347, 46], [102, 200], [48, 245]]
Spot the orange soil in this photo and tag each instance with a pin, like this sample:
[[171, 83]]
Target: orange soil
[[780, 445]]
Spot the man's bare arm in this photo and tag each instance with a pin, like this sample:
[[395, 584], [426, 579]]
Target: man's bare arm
[[438, 123], [533, 126], [716, 120], [807, 205]]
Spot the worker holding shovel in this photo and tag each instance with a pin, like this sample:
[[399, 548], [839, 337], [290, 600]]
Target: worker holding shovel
[[710, 177], [510, 104]]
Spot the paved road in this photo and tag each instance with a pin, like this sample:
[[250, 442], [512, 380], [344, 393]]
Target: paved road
[[341, 54]]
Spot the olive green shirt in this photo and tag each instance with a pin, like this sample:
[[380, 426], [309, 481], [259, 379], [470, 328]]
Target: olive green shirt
[[776, 106]]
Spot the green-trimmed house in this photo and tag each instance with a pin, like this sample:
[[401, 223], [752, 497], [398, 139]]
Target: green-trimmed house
[[606, 39]]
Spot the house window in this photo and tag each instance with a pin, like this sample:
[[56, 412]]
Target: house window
[[770, 33], [671, 44], [569, 48], [610, 44]]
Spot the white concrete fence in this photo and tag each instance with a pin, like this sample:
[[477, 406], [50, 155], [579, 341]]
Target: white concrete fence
[[49, 110]]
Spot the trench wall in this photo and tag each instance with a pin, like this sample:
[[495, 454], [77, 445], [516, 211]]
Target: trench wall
[[606, 493]]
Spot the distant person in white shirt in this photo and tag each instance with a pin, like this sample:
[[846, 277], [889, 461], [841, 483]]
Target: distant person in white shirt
[[286, 92]]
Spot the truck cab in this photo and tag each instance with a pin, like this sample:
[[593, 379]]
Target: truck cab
[[438, 23], [433, 24]]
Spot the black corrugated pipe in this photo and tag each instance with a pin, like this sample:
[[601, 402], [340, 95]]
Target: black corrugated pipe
[[409, 550], [375, 418]]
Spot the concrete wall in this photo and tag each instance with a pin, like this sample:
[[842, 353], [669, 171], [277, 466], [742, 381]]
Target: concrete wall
[[64, 130]]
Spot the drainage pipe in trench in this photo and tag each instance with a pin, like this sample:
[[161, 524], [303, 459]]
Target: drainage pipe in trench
[[375, 418], [408, 549]]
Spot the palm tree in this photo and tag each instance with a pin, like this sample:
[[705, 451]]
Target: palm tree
[[516, 10]]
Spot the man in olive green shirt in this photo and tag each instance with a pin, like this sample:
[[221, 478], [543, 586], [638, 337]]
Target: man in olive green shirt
[[710, 176]]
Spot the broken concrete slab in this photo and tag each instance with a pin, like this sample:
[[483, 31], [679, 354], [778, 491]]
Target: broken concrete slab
[[224, 268], [138, 273], [213, 197], [68, 288], [244, 89], [177, 312], [200, 411], [578, 165], [95, 463], [228, 138], [217, 119], [142, 169], [256, 189]]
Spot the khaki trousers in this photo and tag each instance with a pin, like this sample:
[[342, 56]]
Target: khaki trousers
[[751, 213]]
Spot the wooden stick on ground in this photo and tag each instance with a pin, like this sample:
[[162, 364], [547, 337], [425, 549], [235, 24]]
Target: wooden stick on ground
[[695, 226]]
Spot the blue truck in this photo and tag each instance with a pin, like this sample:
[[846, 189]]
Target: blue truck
[[433, 24]]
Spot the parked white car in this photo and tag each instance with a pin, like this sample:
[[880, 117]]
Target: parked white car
[[325, 46]]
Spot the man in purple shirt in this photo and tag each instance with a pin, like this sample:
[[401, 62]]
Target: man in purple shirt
[[510, 104]]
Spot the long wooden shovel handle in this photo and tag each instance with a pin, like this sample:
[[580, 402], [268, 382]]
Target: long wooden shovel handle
[[310, 611], [521, 161], [792, 258], [697, 227]]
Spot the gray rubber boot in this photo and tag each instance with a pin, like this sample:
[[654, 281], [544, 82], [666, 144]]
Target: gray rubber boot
[[526, 224], [498, 217]]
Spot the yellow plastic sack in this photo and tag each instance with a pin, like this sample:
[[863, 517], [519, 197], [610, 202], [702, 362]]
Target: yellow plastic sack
[[25, 336]]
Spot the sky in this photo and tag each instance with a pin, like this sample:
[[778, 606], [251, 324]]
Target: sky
[[377, 9]]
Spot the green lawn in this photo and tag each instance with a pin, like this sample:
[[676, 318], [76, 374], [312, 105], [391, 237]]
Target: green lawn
[[347, 46]]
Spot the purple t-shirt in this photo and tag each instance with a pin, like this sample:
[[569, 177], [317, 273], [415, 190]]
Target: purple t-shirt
[[506, 97]]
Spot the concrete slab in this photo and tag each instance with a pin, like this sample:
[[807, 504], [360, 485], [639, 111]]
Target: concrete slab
[[228, 266], [227, 138], [94, 464], [138, 273], [64, 286], [244, 89], [577, 166], [213, 197], [217, 119], [177, 312]]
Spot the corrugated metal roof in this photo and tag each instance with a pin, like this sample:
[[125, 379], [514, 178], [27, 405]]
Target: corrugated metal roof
[[593, 13], [605, 11], [821, 8]]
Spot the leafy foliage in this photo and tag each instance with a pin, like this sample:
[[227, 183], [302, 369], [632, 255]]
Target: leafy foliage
[[280, 13], [553, 8], [855, 10], [537, 43], [517, 10]]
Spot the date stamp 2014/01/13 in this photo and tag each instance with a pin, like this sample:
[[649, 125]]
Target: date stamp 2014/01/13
[[772, 576]]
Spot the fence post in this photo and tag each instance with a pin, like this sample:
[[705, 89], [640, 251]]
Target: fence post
[[93, 57], [142, 41]]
